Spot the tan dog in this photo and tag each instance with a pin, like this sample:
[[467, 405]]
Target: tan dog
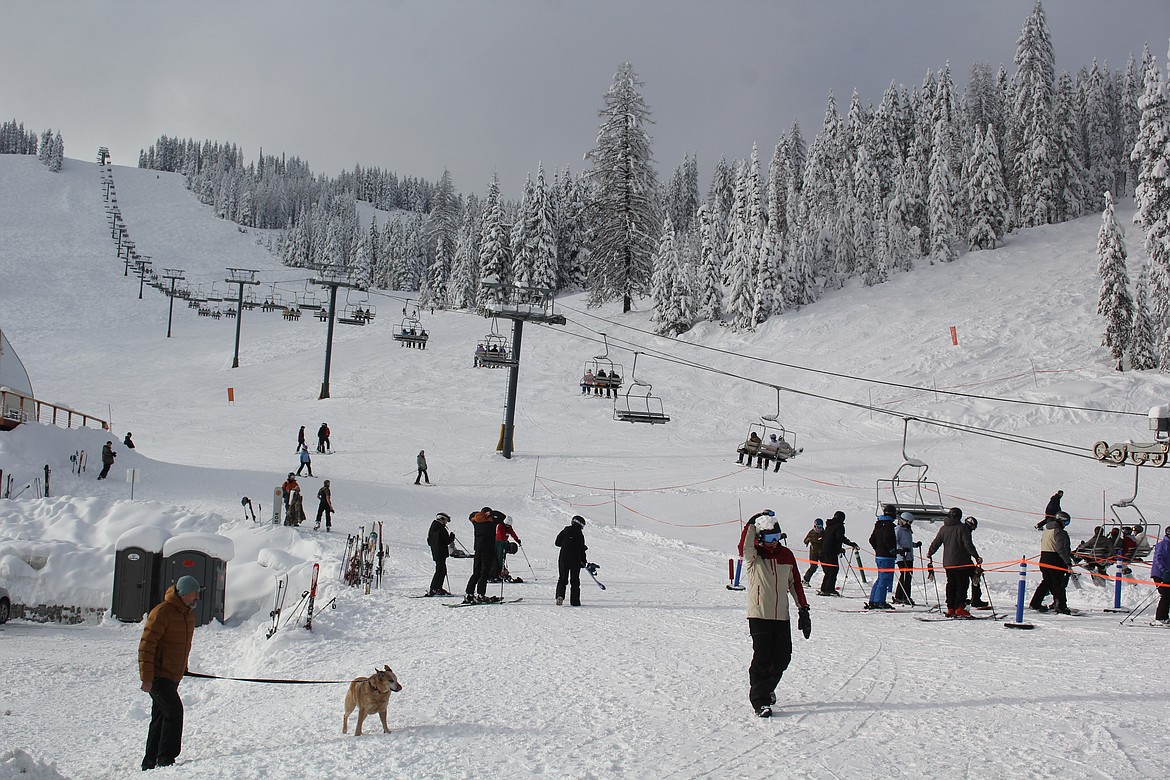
[[369, 695]]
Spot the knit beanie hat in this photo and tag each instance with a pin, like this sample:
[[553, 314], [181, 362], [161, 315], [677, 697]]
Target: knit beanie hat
[[186, 585]]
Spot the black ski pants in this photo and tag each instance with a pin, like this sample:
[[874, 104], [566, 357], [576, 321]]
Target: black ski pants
[[105, 470], [440, 574], [905, 581], [812, 569], [481, 570], [829, 581], [1163, 610], [323, 509], [571, 577], [1053, 581], [164, 740], [958, 581], [771, 653]]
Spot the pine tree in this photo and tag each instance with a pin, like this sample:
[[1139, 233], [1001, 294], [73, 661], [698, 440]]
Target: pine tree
[[1114, 302], [1033, 120], [709, 282], [523, 260], [1152, 196], [495, 260], [986, 193], [1142, 356], [1102, 164], [665, 268], [1068, 171], [542, 244], [57, 153], [940, 205], [741, 301], [624, 192]]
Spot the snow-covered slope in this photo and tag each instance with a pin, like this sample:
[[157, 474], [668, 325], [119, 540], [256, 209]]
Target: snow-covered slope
[[648, 679]]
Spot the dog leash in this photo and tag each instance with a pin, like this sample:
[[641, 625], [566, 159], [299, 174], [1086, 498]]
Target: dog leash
[[267, 680]]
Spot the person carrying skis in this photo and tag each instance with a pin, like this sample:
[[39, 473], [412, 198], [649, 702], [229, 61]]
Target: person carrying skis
[[108, 456], [306, 462], [421, 462], [503, 531], [163, 651], [287, 487], [1051, 509], [904, 537], [977, 601], [571, 560], [831, 548], [323, 438], [1160, 573], [884, 542], [324, 507], [439, 539], [772, 578], [813, 540], [1055, 565], [484, 523], [958, 551]]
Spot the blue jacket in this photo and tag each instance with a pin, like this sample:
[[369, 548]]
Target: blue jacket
[[305, 456], [883, 538], [904, 535], [1161, 565]]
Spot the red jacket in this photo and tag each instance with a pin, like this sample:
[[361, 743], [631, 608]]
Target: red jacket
[[503, 531]]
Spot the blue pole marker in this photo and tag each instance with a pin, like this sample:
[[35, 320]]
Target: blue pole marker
[[1021, 593], [1119, 572], [739, 570]]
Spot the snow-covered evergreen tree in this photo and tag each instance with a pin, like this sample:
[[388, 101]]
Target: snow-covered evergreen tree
[[940, 205], [57, 153], [1114, 302], [542, 244], [495, 261], [741, 300], [1152, 194], [573, 235], [986, 193], [709, 281], [1034, 159], [523, 261], [1102, 164], [1143, 341], [624, 210], [1068, 171], [1130, 118], [665, 268]]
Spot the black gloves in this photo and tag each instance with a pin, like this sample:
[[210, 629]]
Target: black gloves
[[918, 545], [856, 546], [902, 550], [804, 622], [592, 568]]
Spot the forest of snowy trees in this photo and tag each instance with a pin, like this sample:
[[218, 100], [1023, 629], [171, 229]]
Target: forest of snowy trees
[[926, 174], [49, 148]]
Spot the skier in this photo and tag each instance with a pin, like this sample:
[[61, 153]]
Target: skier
[[1051, 509], [571, 560], [296, 509], [813, 540], [421, 462], [128, 442], [323, 438], [484, 523], [904, 536], [884, 542], [108, 456], [772, 578], [1160, 573], [977, 601], [439, 539], [503, 531], [324, 506], [749, 448], [301, 439], [831, 547], [1055, 565], [306, 462], [287, 487], [958, 550]]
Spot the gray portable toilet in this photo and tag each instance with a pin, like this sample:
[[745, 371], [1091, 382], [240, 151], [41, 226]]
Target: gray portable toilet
[[138, 570], [204, 557]]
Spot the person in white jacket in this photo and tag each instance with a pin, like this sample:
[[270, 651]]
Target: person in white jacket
[[772, 577]]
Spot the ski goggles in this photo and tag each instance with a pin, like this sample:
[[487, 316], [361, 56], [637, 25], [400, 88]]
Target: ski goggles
[[772, 537]]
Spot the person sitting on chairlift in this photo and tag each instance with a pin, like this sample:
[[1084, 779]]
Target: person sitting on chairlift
[[587, 381], [601, 383], [750, 447]]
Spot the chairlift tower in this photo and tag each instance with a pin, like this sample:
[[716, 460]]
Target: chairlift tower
[[333, 283], [240, 277], [174, 274], [533, 305]]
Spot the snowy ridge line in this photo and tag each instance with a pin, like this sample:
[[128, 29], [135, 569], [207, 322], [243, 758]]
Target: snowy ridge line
[[667, 357], [271, 681], [610, 489]]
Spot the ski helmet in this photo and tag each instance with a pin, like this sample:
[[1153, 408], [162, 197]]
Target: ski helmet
[[971, 523], [819, 523], [906, 518], [443, 517], [578, 520]]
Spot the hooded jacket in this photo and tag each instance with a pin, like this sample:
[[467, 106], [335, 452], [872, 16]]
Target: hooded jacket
[[772, 576], [1161, 564], [955, 539], [883, 540], [1055, 540], [571, 540], [166, 639], [439, 539], [904, 538], [485, 531], [834, 540]]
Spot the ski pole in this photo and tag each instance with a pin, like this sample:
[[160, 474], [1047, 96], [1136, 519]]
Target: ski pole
[[1141, 607], [530, 570], [987, 591], [932, 578]]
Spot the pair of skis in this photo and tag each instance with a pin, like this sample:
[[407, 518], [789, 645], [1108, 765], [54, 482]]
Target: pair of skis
[[483, 603], [308, 600], [77, 462]]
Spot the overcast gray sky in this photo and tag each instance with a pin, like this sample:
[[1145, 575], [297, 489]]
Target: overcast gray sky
[[473, 86]]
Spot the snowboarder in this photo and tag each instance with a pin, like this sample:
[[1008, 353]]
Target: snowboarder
[[108, 456], [1051, 509], [296, 509], [1055, 565], [958, 551], [484, 523], [1160, 573], [571, 560], [163, 651], [884, 542], [503, 531], [324, 506], [421, 462], [306, 462], [128, 442], [813, 540], [323, 438], [831, 548], [772, 578], [904, 536], [287, 487], [439, 539], [301, 439]]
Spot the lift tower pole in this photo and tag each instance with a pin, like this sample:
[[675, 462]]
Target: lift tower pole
[[333, 283], [173, 274], [240, 277]]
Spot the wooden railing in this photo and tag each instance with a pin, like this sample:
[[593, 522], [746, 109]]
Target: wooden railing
[[17, 408]]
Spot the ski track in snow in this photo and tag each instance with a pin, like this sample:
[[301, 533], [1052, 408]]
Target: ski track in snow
[[648, 678]]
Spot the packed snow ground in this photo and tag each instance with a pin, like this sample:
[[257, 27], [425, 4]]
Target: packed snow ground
[[648, 678]]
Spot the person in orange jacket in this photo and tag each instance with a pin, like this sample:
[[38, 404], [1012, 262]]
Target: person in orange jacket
[[484, 523]]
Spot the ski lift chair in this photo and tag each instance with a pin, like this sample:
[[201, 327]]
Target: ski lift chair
[[601, 376], [410, 333], [637, 404], [911, 492], [494, 351], [765, 450]]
